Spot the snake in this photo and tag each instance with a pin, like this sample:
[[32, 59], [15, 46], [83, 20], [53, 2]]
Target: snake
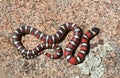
[[79, 40]]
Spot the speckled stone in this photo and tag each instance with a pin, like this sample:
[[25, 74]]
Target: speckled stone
[[47, 16]]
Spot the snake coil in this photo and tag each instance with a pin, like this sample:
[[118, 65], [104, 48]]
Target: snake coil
[[51, 42]]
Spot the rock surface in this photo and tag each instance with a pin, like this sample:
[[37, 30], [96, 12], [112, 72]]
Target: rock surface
[[103, 61]]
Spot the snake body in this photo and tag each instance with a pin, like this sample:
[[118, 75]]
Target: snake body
[[51, 42]]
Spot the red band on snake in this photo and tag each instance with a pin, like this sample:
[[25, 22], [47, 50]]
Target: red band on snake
[[51, 42]]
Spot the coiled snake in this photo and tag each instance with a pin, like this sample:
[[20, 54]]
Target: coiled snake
[[51, 42]]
